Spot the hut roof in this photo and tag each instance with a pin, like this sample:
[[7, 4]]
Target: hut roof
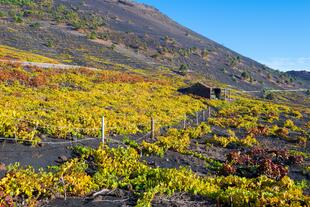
[[204, 85]]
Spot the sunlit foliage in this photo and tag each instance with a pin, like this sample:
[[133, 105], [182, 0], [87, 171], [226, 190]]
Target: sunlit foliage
[[67, 103], [10, 53]]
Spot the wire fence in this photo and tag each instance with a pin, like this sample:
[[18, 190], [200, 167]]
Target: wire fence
[[46, 142], [189, 121]]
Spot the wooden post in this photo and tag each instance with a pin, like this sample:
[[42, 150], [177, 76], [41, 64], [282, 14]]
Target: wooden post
[[209, 111], [197, 118], [229, 95], [224, 94], [62, 181], [184, 122], [152, 128], [218, 204], [102, 129]]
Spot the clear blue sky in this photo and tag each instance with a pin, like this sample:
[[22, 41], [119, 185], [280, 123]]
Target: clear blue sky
[[273, 32]]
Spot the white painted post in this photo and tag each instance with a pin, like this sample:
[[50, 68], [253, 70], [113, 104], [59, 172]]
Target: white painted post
[[197, 118], [225, 94], [184, 122], [102, 129], [152, 128], [209, 111], [62, 181], [203, 115]]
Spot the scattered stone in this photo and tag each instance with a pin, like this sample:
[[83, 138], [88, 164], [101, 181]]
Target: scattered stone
[[2, 167], [151, 162], [40, 144], [98, 198], [119, 193], [63, 158]]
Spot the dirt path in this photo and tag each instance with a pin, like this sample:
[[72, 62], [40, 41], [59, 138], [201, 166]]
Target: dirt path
[[46, 65], [277, 90]]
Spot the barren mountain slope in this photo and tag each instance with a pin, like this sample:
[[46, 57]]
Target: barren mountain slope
[[98, 32]]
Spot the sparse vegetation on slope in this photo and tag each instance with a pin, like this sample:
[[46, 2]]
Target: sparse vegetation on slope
[[71, 28]]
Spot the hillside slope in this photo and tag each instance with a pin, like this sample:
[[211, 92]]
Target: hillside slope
[[100, 32], [302, 76]]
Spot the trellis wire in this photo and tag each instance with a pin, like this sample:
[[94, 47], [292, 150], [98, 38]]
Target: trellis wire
[[187, 121]]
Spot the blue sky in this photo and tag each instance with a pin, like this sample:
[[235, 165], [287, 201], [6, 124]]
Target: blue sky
[[273, 32]]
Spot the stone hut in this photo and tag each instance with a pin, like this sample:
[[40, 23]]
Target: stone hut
[[208, 92]]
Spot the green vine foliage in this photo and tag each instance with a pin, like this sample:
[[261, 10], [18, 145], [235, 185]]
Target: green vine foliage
[[175, 139], [70, 103], [121, 168]]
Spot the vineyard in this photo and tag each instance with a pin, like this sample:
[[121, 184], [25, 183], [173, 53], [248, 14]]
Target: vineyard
[[96, 110], [245, 152], [38, 103], [69, 103], [257, 177]]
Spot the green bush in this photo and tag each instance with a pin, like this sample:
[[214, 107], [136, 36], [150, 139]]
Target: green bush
[[50, 43], [2, 14], [92, 35], [17, 2], [35, 25], [245, 75], [183, 69], [269, 96], [18, 18]]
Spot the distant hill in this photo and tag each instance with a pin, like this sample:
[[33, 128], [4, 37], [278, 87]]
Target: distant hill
[[100, 33], [302, 76]]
